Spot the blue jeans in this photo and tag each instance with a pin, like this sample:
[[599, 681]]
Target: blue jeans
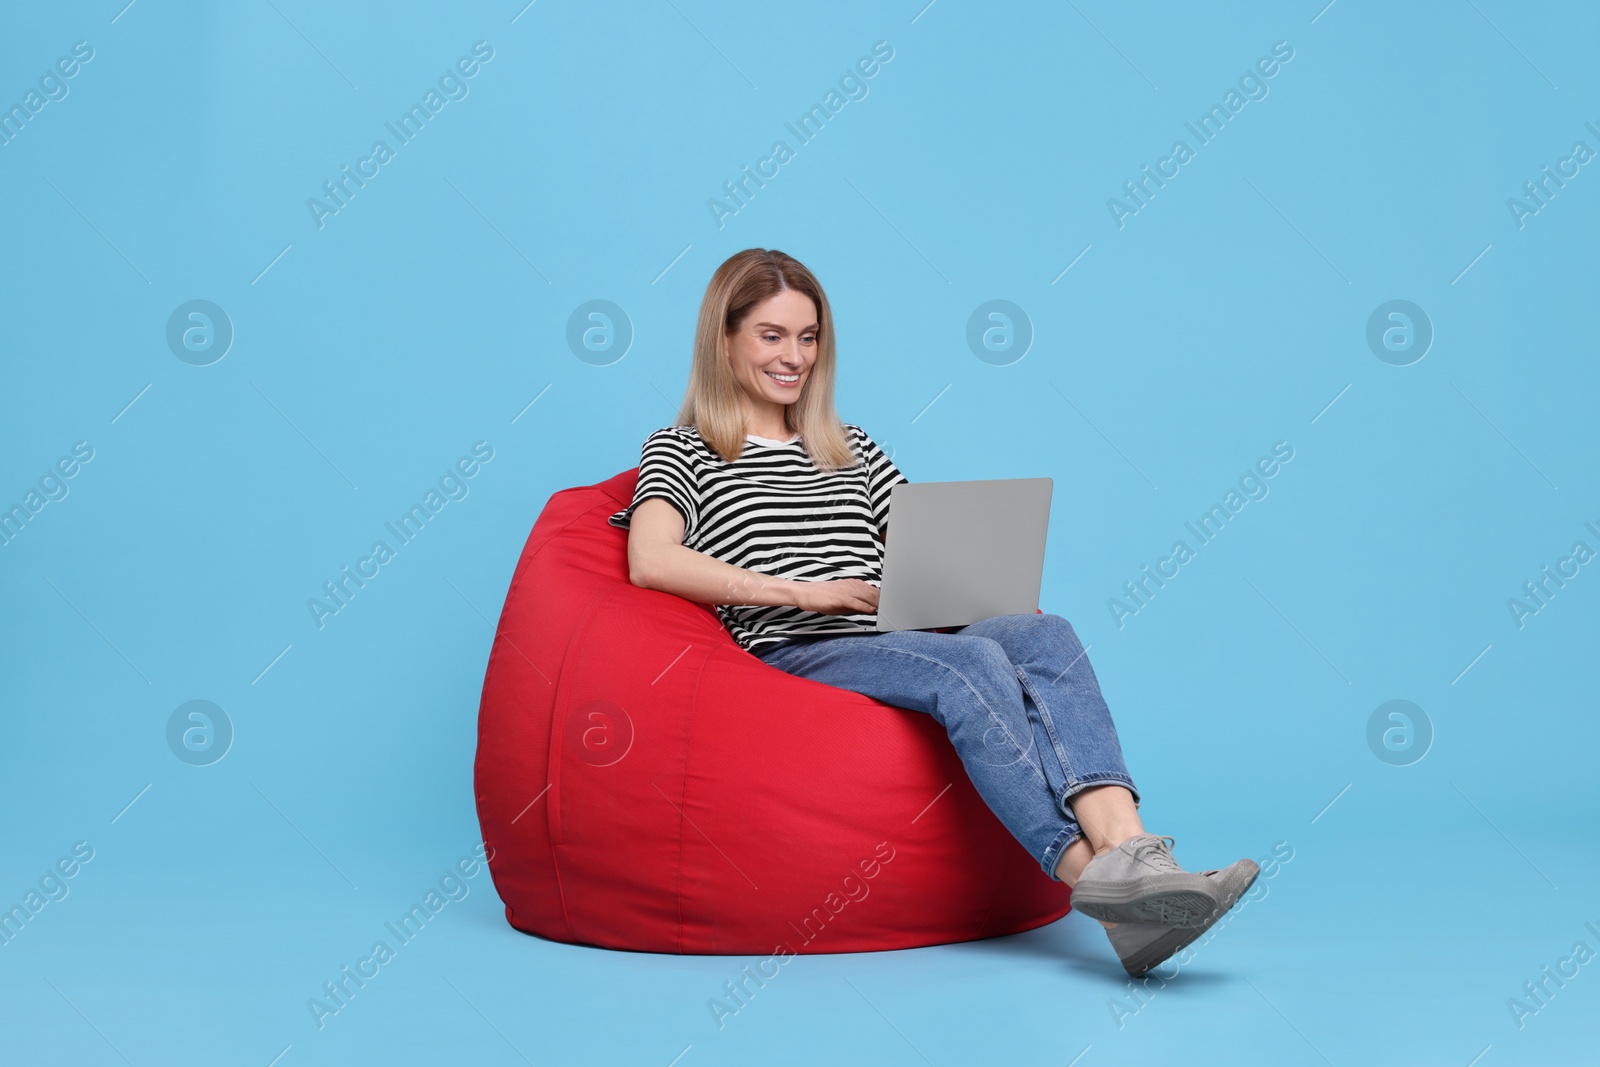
[[1017, 697]]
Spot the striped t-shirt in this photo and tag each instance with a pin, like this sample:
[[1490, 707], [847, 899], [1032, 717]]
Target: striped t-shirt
[[773, 511]]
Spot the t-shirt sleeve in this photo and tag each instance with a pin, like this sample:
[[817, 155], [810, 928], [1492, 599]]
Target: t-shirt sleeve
[[882, 476], [666, 470]]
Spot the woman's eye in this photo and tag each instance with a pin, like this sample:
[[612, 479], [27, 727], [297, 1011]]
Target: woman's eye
[[769, 337]]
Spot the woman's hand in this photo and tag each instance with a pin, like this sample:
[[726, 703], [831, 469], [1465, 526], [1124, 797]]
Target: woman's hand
[[843, 596]]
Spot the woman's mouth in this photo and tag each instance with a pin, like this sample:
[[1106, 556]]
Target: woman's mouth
[[788, 381]]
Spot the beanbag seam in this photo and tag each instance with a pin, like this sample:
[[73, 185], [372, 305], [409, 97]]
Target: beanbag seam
[[683, 791], [557, 745]]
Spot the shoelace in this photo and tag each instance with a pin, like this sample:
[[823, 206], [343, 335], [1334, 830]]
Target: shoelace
[[1156, 854]]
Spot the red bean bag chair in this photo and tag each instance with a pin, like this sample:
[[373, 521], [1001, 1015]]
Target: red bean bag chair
[[644, 783]]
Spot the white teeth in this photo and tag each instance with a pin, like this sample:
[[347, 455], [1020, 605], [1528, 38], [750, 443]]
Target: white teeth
[[785, 377]]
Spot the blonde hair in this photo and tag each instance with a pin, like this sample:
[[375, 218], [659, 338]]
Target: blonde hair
[[711, 399]]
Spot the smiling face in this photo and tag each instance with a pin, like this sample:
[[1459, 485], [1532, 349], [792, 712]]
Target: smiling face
[[772, 353]]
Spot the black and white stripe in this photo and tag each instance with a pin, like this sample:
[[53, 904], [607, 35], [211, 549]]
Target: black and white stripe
[[771, 510]]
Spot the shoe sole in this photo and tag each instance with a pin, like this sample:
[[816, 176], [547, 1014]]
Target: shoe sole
[[1179, 937], [1155, 907], [1163, 948]]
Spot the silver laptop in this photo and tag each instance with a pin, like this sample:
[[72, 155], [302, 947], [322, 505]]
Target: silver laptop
[[961, 552]]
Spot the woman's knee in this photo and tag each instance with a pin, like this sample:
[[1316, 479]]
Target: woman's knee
[[972, 657], [1059, 627]]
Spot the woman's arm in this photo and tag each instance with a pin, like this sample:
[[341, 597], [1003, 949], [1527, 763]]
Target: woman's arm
[[658, 559]]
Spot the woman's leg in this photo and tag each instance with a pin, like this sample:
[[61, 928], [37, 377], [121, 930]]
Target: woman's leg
[[1108, 817], [996, 714], [1125, 873], [1073, 729], [969, 686]]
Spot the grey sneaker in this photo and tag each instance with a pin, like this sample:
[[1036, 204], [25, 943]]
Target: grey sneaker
[[1140, 882], [1141, 946]]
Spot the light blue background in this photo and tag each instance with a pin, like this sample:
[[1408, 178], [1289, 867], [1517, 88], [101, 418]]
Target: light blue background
[[369, 354]]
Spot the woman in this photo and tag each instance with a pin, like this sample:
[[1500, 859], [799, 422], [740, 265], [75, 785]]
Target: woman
[[760, 502]]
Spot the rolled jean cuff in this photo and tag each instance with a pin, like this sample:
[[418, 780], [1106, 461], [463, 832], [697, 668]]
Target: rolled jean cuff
[[1109, 778], [1052, 854]]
